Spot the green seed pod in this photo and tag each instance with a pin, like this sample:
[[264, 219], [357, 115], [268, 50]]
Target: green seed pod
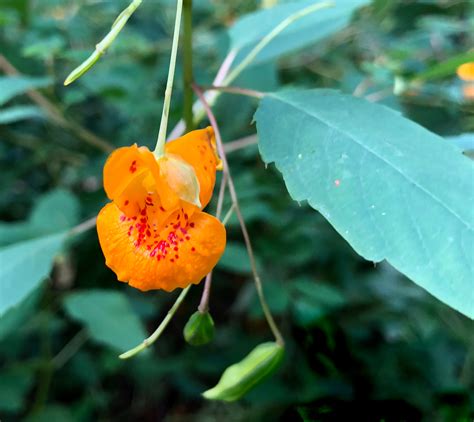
[[241, 377], [199, 329]]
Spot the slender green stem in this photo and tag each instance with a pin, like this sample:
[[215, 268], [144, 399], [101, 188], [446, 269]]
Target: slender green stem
[[150, 340], [235, 201], [188, 64], [160, 142], [270, 36]]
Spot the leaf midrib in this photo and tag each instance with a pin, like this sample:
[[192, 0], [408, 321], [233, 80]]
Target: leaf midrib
[[381, 158]]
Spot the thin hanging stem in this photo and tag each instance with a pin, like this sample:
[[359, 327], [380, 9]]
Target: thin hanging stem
[[258, 282], [157, 333], [204, 303], [160, 142]]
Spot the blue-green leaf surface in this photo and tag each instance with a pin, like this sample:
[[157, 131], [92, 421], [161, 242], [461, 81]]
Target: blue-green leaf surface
[[54, 211], [11, 86], [24, 265], [18, 113], [27, 248], [109, 317], [391, 188]]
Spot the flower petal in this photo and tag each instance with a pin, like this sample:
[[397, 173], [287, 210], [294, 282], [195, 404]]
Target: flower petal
[[198, 148], [466, 71], [180, 254], [130, 174]]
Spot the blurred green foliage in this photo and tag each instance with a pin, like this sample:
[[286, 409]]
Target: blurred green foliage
[[364, 343]]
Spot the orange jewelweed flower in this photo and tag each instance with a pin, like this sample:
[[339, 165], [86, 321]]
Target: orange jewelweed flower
[[153, 234], [466, 73]]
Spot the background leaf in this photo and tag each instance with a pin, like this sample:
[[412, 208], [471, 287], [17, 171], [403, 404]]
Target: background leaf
[[24, 265], [30, 247], [55, 211], [18, 113], [108, 316], [392, 189], [250, 29], [11, 86]]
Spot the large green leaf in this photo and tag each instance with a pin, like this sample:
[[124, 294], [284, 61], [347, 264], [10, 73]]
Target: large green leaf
[[24, 265], [392, 189], [17, 315], [464, 141], [54, 211], [11, 86], [108, 316], [28, 248], [250, 29], [18, 113]]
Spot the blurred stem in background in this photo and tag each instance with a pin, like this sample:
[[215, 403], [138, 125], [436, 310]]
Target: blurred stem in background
[[188, 64], [55, 113], [45, 374]]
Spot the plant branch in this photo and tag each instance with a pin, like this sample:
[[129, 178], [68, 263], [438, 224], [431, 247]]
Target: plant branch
[[235, 201], [103, 45], [84, 226], [234, 90], [56, 115], [160, 142], [70, 349], [157, 333]]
